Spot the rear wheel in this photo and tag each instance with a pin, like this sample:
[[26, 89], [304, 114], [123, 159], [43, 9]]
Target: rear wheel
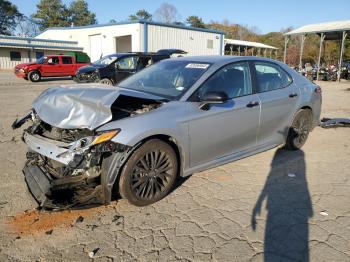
[[149, 174], [299, 130], [34, 76], [106, 81]]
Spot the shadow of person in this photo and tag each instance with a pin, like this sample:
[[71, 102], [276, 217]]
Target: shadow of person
[[288, 207]]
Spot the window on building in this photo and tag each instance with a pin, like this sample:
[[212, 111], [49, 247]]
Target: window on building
[[15, 56], [66, 60], [210, 43], [39, 55]]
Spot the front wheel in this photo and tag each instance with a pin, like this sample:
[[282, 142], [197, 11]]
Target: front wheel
[[106, 81], [299, 130], [149, 174], [34, 76]]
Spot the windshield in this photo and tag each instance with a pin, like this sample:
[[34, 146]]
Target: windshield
[[41, 60], [107, 60], [169, 78]]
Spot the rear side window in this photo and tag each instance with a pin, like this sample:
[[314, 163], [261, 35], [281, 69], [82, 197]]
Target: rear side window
[[66, 60], [270, 77]]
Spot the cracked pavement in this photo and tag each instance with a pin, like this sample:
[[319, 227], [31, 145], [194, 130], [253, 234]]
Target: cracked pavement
[[274, 206]]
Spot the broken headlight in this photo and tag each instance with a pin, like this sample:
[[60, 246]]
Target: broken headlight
[[83, 144]]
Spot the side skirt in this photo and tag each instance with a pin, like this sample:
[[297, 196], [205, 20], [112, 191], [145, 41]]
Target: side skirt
[[229, 158]]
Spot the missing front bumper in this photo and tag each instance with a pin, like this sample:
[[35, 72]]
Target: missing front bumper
[[38, 184], [70, 192]]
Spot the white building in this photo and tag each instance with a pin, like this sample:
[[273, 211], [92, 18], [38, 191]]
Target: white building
[[139, 36], [15, 50]]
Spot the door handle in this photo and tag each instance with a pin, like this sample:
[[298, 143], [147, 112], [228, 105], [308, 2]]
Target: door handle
[[293, 95], [253, 104]]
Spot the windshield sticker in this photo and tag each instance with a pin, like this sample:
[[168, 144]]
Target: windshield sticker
[[197, 66]]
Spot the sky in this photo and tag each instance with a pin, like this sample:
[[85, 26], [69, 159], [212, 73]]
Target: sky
[[266, 15]]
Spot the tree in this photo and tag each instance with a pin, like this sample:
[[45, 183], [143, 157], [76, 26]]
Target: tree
[[142, 14], [195, 21], [51, 13], [80, 13], [26, 27], [9, 15], [167, 13]]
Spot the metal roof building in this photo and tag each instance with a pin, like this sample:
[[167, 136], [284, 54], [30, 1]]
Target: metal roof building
[[139, 36], [336, 30], [15, 50], [246, 47]]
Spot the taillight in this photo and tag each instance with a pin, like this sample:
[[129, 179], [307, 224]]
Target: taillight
[[318, 90]]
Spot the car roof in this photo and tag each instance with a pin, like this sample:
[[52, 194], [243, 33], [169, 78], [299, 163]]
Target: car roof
[[213, 59]]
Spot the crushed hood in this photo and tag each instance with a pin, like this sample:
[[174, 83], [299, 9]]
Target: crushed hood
[[81, 106]]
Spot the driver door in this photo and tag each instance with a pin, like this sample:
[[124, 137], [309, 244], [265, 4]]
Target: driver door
[[51, 67], [125, 67], [227, 128]]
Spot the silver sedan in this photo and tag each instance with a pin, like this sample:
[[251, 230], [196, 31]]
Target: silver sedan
[[89, 144]]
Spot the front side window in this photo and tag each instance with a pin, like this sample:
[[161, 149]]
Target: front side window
[[169, 78], [53, 60], [270, 77], [233, 79], [15, 56], [66, 60], [127, 63]]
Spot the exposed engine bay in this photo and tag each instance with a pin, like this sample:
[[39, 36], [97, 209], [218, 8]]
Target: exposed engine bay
[[64, 165]]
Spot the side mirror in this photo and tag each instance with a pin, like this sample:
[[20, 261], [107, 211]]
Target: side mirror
[[214, 97]]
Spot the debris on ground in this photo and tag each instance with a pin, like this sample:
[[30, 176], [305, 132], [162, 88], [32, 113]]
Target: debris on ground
[[49, 232], [92, 227], [93, 252], [80, 219], [335, 122], [291, 175], [3, 203], [118, 219], [323, 213]]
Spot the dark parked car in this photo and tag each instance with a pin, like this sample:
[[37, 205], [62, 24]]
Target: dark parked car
[[114, 68]]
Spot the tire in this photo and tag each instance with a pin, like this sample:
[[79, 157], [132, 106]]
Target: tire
[[34, 76], [106, 81], [141, 181], [299, 130]]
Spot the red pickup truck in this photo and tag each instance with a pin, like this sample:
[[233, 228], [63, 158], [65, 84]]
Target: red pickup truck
[[49, 66]]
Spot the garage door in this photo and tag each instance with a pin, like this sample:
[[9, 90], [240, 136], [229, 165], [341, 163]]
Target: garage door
[[95, 47]]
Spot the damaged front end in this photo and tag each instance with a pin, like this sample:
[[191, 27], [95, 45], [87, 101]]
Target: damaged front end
[[64, 165]]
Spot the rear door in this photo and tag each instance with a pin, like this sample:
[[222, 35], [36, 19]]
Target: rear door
[[279, 96], [67, 66], [225, 128]]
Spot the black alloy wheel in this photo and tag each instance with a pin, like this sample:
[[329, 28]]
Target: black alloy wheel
[[299, 130], [149, 174]]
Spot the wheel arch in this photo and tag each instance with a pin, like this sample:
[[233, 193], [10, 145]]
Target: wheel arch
[[110, 176]]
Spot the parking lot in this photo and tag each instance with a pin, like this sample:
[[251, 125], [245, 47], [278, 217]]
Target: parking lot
[[277, 205]]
